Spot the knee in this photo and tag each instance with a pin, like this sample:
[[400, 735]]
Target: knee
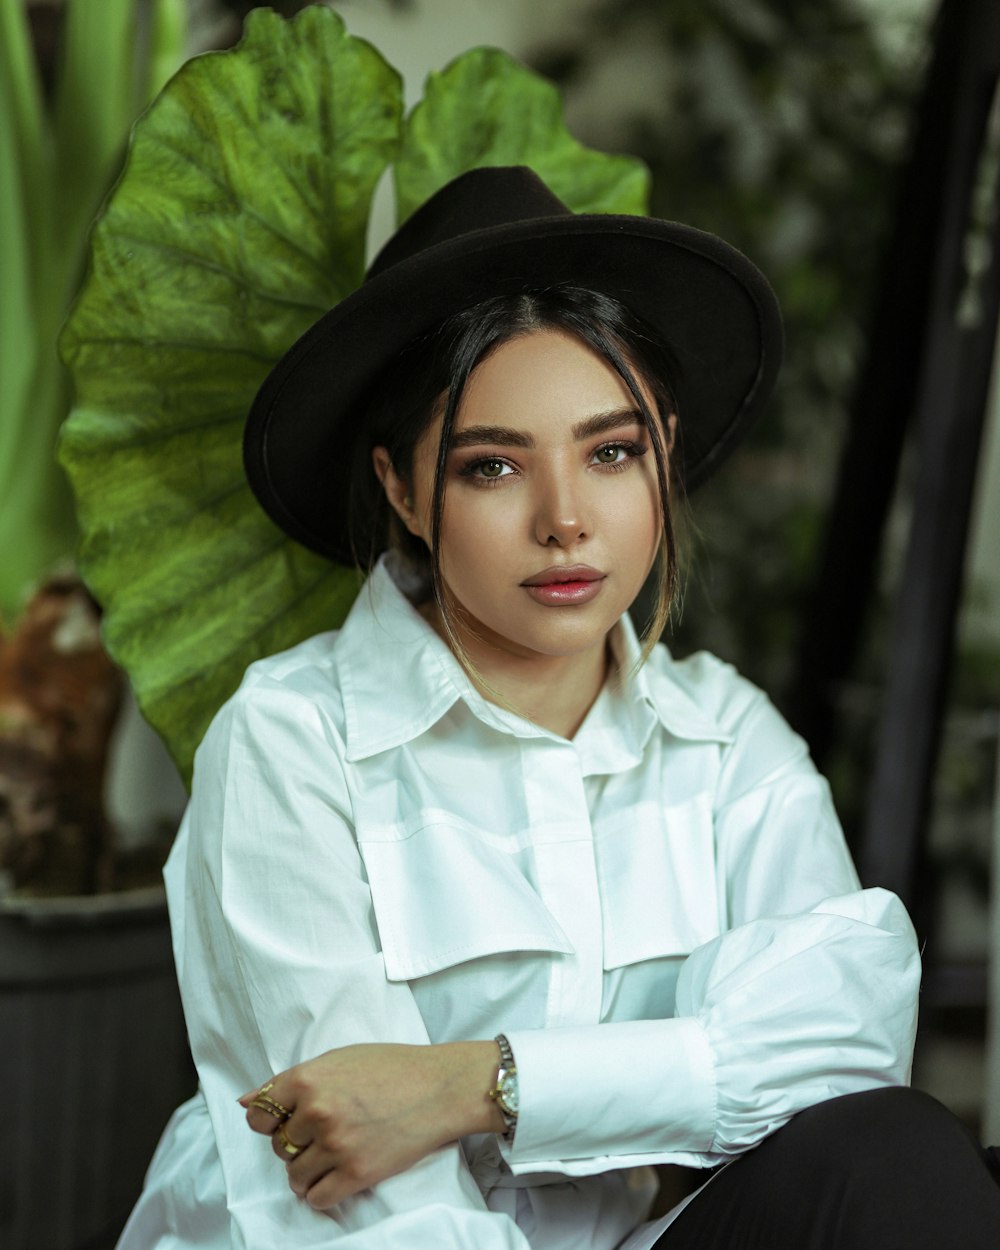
[[879, 1129]]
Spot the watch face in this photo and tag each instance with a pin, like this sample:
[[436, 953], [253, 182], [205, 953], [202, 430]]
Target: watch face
[[508, 1092]]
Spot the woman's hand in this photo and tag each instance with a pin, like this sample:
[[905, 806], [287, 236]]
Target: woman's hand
[[363, 1113]]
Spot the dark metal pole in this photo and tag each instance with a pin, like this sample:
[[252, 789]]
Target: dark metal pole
[[953, 380], [885, 395]]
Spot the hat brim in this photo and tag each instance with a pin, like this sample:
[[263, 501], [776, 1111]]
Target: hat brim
[[714, 308]]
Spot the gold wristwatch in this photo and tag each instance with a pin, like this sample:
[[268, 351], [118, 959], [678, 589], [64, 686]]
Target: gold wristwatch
[[504, 1091]]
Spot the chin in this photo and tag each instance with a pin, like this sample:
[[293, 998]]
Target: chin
[[564, 643]]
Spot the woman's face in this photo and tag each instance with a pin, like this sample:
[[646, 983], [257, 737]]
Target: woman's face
[[551, 517]]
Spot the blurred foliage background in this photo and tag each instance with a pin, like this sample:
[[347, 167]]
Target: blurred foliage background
[[780, 125]]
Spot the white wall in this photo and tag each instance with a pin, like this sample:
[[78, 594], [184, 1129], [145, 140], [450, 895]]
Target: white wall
[[430, 33]]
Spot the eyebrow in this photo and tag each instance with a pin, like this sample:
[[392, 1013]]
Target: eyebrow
[[601, 423]]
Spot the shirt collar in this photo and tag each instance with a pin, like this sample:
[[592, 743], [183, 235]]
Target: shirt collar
[[658, 684], [393, 682], [398, 678], [634, 700]]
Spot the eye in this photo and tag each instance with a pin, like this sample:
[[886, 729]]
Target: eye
[[486, 471], [618, 455]]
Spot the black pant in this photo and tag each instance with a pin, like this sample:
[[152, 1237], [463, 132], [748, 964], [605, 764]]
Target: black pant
[[891, 1169]]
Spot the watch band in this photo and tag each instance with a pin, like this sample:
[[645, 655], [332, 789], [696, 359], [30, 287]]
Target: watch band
[[505, 1091]]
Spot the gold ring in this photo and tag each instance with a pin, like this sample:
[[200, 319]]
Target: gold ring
[[263, 1103], [287, 1145]]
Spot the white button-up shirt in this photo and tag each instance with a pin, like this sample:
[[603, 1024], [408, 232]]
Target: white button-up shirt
[[661, 915]]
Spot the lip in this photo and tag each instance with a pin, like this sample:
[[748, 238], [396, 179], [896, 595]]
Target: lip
[[565, 585], [559, 574]]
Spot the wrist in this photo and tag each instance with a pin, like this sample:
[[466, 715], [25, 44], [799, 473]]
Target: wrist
[[470, 1071], [505, 1092]]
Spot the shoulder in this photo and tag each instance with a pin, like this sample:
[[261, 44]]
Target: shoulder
[[713, 684], [714, 687], [285, 701], [271, 768], [308, 668], [757, 740]]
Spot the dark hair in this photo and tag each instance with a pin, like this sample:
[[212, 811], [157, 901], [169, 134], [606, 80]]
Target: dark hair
[[434, 371]]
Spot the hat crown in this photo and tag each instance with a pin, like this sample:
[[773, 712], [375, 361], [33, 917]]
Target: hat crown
[[481, 199]]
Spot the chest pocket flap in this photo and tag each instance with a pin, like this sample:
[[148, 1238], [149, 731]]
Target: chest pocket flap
[[657, 877], [445, 893]]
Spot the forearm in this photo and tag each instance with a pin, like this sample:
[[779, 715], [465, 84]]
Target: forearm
[[462, 1073]]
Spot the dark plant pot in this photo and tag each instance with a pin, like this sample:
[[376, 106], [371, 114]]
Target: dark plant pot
[[93, 1057]]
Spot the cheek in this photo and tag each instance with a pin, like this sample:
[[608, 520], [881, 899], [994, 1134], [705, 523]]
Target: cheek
[[470, 512], [473, 532], [481, 551], [637, 508]]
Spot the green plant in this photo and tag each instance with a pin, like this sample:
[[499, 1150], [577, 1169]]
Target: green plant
[[57, 158], [59, 691], [240, 218]]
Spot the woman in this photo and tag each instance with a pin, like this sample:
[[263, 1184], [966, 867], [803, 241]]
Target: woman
[[488, 904]]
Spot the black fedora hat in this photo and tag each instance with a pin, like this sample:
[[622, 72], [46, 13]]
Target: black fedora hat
[[495, 231]]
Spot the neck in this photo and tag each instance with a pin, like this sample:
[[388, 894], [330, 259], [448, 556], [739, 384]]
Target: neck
[[554, 692]]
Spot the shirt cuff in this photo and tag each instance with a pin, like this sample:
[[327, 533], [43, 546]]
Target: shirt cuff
[[612, 1095]]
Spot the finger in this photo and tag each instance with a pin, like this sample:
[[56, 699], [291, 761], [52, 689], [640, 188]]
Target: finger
[[332, 1188], [286, 1145], [308, 1167], [257, 1093], [264, 1122], [265, 1110]]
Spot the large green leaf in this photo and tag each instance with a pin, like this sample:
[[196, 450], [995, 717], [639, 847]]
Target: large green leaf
[[486, 108], [240, 217]]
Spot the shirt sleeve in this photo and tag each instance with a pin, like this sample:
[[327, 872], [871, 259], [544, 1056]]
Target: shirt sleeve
[[812, 993], [278, 961]]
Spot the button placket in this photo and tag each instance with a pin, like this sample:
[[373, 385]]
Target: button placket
[[566, 879]]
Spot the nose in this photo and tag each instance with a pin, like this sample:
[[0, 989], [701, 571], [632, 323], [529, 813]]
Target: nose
[[560, 513]]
